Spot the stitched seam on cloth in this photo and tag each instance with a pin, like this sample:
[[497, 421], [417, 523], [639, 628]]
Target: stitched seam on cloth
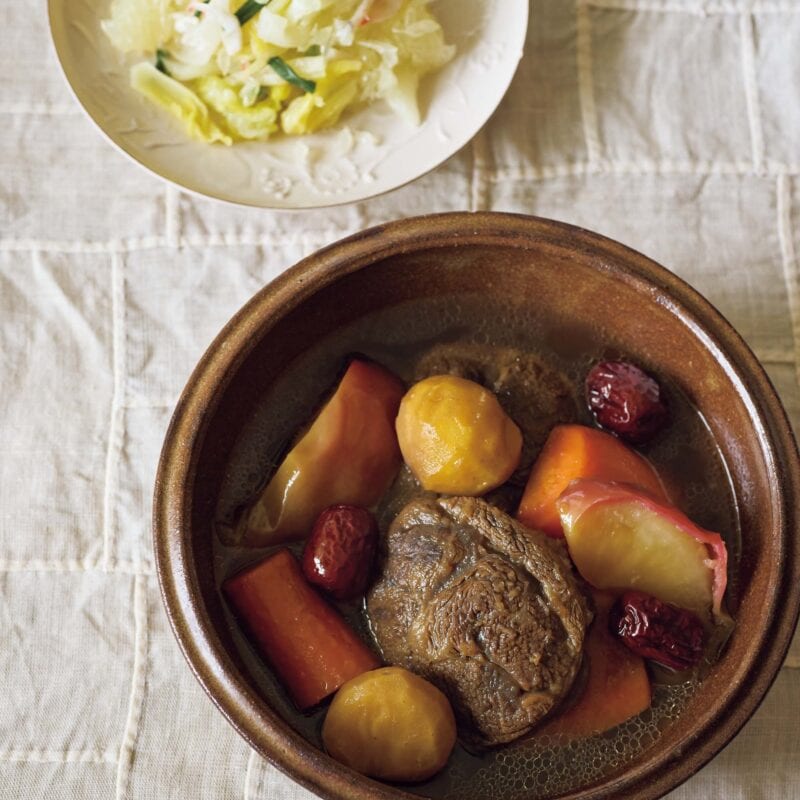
[[747, 36], [361, 216], [59, 756], [640, 167], [646, 6], [583, 47], [76, 565], [262, 778], [40, 109], [789, 257], [136, 700], [42, 565], [135, 244], [115, 436], [87, 247], [248, 775], [115, 432], [131, 568], [771, 355], [712, 7], [139, 403], [172, 220], [255, 762], [479, 190]]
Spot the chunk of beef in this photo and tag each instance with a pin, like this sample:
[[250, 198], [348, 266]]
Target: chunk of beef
[[483, 607]]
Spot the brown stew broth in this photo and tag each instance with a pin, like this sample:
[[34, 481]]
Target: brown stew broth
[[685, 455]]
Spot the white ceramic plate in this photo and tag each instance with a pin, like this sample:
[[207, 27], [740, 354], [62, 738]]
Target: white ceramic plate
[[368, 153]]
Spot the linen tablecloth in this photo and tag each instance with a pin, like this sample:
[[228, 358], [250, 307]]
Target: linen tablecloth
[[670, 125]]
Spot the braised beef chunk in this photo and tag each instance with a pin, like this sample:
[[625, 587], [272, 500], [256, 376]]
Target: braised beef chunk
[[532, 393], [486, 609]]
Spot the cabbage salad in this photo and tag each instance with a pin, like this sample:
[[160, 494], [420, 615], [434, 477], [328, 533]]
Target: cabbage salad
[[236, 70]]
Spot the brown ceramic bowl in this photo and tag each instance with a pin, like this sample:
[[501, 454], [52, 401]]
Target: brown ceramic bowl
[[574, 278]]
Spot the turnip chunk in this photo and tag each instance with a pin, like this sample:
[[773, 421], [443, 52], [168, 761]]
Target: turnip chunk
[[621, 538]]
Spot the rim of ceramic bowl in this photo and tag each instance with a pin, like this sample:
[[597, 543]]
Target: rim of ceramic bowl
[[655, 772]]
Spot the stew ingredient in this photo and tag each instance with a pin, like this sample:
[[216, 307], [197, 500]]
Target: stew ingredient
[[485, 608], [349, 455], [576, 451], [390, 724], [626, 400], [620, 538], [455, 436], [339, 554], [312, 649], [671, 636], [616, 688]]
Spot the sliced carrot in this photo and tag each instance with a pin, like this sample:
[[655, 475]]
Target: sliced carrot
[[310, 646], [572, 452], [617, 687]]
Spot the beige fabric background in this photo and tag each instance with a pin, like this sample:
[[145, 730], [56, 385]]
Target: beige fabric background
[[673, 126]]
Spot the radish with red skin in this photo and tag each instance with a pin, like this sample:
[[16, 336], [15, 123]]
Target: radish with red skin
[[621, 538]]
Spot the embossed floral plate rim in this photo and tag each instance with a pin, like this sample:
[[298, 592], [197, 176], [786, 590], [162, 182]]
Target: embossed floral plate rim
[[369, 153]]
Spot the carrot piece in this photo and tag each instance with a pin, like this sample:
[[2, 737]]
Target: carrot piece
[[617, 687], [310, 646], [572, 452]]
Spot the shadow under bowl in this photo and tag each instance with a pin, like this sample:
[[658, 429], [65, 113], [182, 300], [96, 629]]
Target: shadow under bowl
[[573, 276]]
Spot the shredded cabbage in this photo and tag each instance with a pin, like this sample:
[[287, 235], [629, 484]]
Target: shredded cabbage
[[180, 101], [242, 121], [139, 25], [294, 65]]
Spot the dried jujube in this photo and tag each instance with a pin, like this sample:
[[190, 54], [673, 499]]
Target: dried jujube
[[626, 400], [339, 552], [657, 630]]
